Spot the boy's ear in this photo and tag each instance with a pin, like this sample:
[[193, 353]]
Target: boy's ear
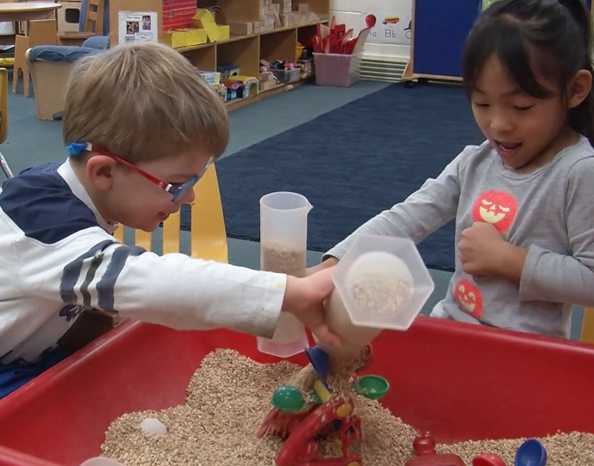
[[579, 88], [100, 171]]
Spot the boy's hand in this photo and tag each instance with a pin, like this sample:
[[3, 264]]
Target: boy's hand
[[304, 298], [484, 251]]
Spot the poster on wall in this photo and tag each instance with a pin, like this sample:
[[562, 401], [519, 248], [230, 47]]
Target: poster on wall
[[387, 28], [136, 26]]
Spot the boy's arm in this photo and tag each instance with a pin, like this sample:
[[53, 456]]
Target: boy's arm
[[91, 268], [423, 212], [567, 278]]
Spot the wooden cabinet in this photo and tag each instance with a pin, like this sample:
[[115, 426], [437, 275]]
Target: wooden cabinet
[[440, 28], [244, 51]]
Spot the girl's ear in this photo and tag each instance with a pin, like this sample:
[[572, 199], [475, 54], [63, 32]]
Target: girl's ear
[[579, 88]]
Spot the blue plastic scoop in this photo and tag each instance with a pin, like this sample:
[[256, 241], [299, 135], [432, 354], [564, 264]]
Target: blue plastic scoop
[[531, 453]]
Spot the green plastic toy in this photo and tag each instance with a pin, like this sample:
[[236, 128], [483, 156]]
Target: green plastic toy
[[372, 387], [288, 398]]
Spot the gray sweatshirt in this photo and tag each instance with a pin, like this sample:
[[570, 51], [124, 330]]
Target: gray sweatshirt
[[549, 212]]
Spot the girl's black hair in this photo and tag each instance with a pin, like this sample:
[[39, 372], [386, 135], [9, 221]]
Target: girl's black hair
[[551, 36]]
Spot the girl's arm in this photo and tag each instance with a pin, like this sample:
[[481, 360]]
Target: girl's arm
[[548, 276], [423, 212]]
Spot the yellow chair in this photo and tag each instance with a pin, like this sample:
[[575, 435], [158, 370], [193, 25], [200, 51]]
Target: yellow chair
[[208, 238], [3, 104], [587, 333], [4, 118]]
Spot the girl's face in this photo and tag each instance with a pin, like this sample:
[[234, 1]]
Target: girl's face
[[525, 131]]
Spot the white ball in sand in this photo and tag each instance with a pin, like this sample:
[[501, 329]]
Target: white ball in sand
[[153, 426]]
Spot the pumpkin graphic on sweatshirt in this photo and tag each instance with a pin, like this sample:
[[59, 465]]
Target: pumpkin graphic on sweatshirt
[[498, 208], [469, 298]]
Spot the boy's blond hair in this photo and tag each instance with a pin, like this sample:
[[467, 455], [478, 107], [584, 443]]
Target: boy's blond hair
[[143, 101]]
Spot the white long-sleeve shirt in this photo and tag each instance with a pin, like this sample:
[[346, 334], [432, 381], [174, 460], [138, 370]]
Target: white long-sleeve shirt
[[549, 212], [58, 255]]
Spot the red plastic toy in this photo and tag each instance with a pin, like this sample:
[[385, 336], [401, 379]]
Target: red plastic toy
[[301, 448], [425, 455], [300, 429]]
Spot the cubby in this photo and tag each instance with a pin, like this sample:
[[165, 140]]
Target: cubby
[[239, 10], [278, 45], [204, 58], [243, 51], [306, 33], [321, 7]]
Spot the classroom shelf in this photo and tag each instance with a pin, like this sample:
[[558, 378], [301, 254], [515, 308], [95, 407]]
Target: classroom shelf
[[279, 45], [306, 32], [244, 51], [204, 58]]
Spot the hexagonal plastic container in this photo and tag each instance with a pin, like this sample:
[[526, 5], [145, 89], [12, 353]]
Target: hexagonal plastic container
[[383, 282]]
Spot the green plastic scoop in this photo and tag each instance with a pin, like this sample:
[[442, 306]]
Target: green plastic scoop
[[372, 387], [287, 398]]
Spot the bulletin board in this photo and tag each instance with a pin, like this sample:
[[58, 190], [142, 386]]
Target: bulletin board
[[440, 28], [150, 7]]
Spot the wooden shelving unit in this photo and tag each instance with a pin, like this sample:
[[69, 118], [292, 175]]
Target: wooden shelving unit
[[243, 51]]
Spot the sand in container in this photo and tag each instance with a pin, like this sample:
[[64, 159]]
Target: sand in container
[[381, 283], [283, 246]]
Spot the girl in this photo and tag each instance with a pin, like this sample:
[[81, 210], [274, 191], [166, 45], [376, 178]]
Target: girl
[[524, 211]]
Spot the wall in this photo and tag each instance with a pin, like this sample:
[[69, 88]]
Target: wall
[[349, 13]]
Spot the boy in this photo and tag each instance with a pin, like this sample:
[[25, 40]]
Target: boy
[[140, 126]]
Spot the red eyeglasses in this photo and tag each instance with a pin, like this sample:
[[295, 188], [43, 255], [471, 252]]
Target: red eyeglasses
[[177, 190]]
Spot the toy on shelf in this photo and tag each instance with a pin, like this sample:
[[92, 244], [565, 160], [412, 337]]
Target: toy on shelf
[[228, 70], [336, 39], [235, 89], [177, 14], [205, 20], [251, 85], [285, 72], [300, 418]]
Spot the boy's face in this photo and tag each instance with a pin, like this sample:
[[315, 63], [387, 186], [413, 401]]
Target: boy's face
[[139, 203]]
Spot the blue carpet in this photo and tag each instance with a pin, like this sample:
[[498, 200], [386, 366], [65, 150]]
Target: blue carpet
[[352, 163]]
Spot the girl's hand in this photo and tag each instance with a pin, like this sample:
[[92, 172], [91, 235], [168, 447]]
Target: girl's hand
[[484, 251], [330, 262], [304, 298]]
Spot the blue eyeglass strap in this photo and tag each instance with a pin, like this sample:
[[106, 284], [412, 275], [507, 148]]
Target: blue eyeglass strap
[[76, 148]]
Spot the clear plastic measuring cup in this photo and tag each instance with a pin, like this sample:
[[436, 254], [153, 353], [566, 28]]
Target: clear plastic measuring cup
[[283, 248], [380, 283]]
